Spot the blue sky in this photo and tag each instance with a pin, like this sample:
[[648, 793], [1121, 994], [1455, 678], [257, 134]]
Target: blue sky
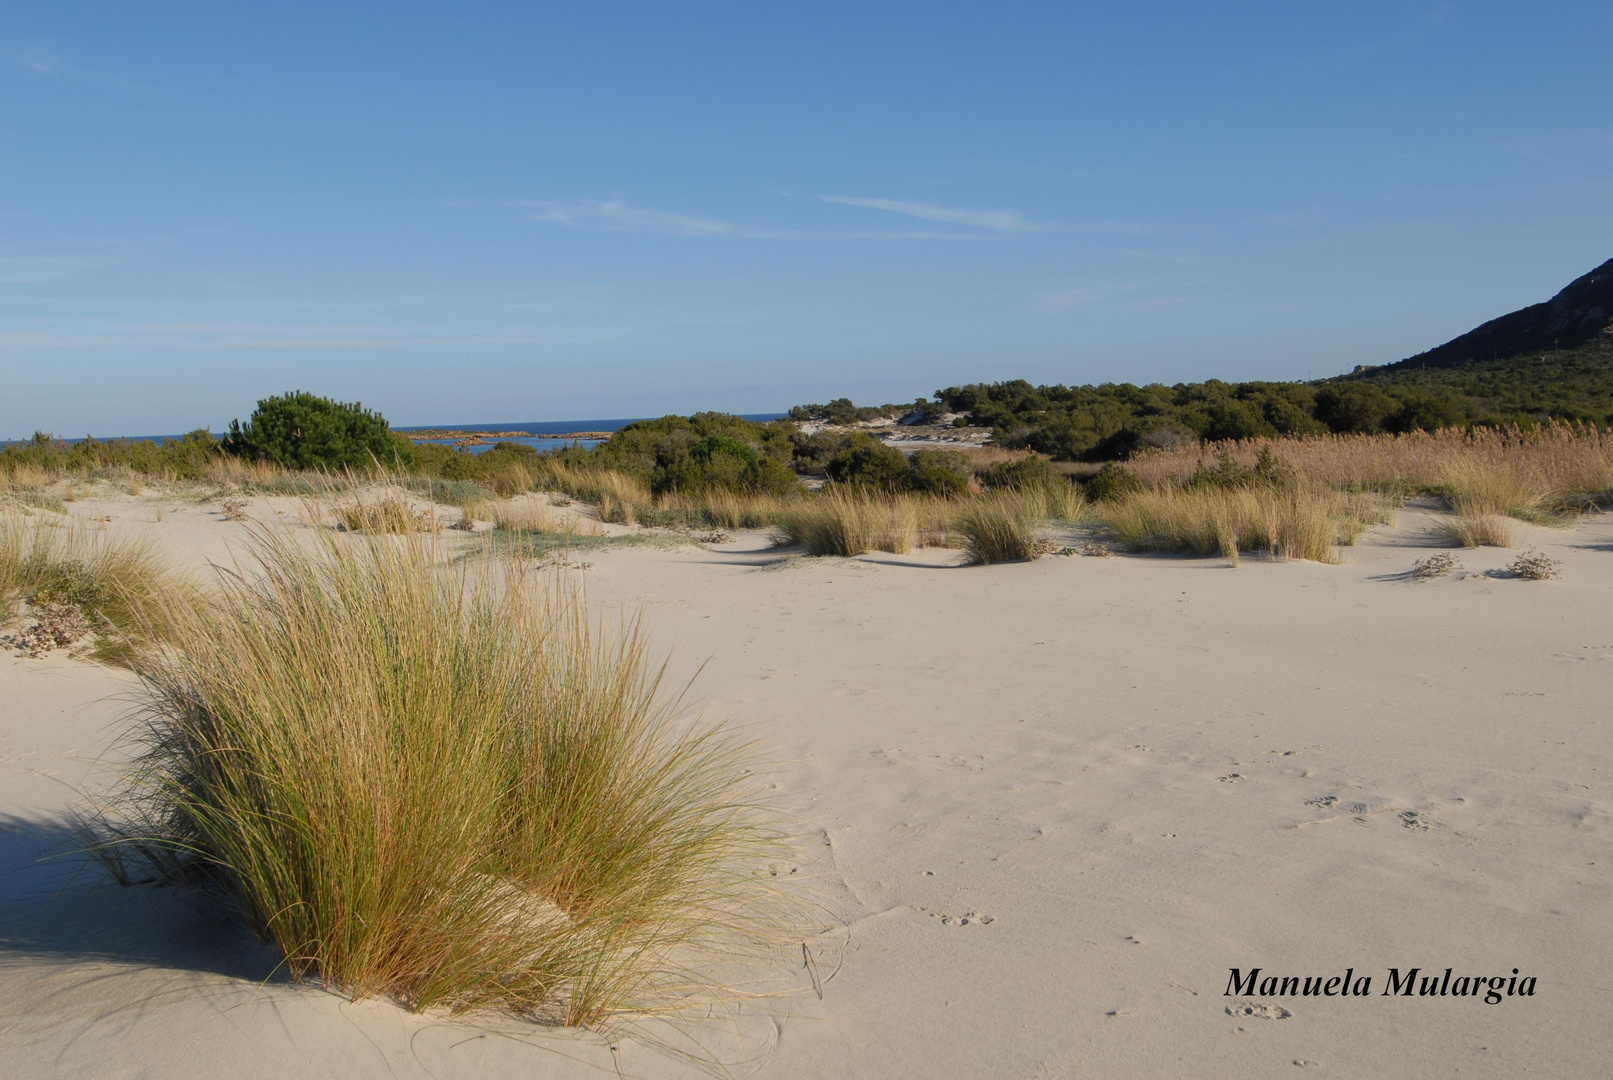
[[477, 212]]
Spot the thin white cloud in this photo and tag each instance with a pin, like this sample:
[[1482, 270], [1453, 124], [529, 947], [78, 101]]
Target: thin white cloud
[[996, 220], [617, 216], [42, 61], [621, 217], [34, 271], [1060, 300], [47, 63]]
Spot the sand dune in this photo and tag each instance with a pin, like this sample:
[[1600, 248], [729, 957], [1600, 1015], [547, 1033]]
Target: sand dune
[[1049, 806]]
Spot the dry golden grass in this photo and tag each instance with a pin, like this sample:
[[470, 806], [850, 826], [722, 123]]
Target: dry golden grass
[[617, 496], [386, 511], [1001, 527], [1292, 522], [441, 784], [1475, 490], [24, 477], [527, 513], [845, 523], [723, 509], [1533, 470], [1479, 530], [118, 585]]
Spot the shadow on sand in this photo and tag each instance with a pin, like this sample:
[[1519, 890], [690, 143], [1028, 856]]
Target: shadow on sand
[[58, 907]]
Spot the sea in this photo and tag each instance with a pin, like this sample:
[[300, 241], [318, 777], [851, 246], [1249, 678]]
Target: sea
[[533, 432]]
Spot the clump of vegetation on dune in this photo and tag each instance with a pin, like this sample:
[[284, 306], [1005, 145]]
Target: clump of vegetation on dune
[[847, 522], [1479, 530], [1001, 528], [443, 784], [1260, 494], [385, 511], [300, 430], [1289, 523], [73, 582], [1121, 421], [1035, 479]]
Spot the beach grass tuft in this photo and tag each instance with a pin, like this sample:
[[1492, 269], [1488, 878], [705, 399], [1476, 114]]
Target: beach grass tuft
[[117, 586], [441, 783], [1001, 527], [387, 511], [847, 522], [1294, 521], [1481, 530]]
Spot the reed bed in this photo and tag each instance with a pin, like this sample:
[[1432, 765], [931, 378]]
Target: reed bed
[[442, 784], [1291, 522], [1543, 468], [117, 586]]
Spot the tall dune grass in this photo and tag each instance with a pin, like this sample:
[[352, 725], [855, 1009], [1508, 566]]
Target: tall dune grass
[[1292, 522], [619, 497], [1475, 490], [443, 785], [1558, 463], [527, 513], [386, 511], [119, 586], [1478, 530], [723, 509], [1001, 527], [846, 523]]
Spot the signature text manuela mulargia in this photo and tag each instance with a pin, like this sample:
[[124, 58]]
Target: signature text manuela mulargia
[[1413, 983]]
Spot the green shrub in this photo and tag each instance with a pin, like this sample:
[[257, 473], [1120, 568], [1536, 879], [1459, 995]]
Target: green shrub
[[940, 472], [811, 453], [866, 462], [188, 457], [1269, 471], [1028, 473], [303, 431], [723, 463], [1113, 481]]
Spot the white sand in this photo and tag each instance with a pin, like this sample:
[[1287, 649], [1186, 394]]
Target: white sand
[[1142, 771]]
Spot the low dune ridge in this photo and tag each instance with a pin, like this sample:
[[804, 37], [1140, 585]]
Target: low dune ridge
[[1045, 809]]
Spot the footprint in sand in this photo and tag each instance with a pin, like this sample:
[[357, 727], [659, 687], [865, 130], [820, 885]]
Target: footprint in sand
[[1230, 778], [1259, 1010], [1411, 819], [968, 918]]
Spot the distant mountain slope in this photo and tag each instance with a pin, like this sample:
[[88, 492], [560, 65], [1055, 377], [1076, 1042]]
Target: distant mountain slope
[[1571, 318]]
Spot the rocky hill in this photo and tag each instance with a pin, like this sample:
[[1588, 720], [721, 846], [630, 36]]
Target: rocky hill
[[1573, 317]]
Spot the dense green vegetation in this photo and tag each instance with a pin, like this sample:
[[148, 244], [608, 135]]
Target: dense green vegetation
[[842, 411], [185, 458], [1115, 421], [710, 451], [300, 430]]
